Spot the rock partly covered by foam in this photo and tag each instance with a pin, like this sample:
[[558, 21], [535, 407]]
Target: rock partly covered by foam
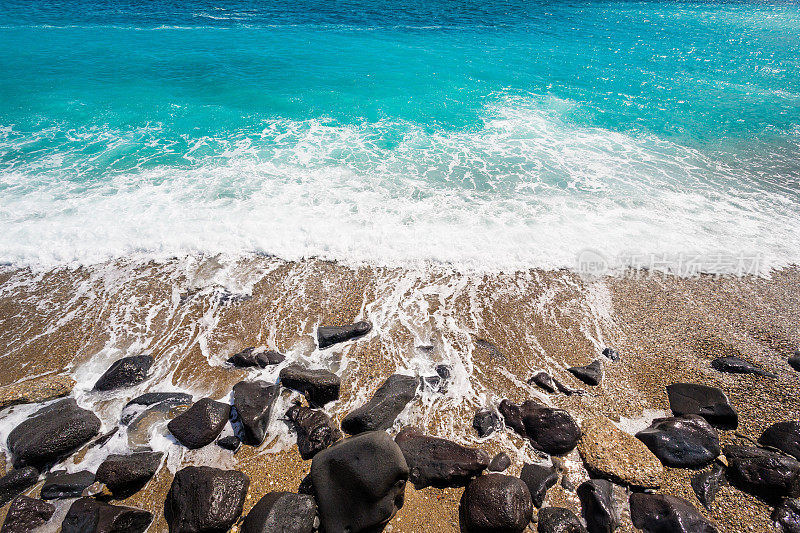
[[495, 503], [124, 475], [548, 429], [591, 374], [767, 474], [708, 402], [784, 436], [202, 498], [661, 513], [315, 430], [318, 386], [285, 512], [35, 390], [599, 508], [330, 335], [439, 462], [486, 422], [706, 484], [201, 423], [611, 453], [359, 483], [26, 514], [60, 485], [380, 411], [253, 401], [15, 481], [558, 520], [125, 372], [538, 478], [250, 357], [52, 433], [611, 353], [682, 442], [87, 515]]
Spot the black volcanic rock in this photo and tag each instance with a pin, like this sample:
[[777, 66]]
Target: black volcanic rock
[[250, 357], [486, 422], [359, 483], [539, 479], [548, 429], [794, 360], [558, 520], [315, 430], [439, 462], [26, 514], [318, 386], [283, 512], [124, 475], [598, 506], [231, 442], [134, 408], [708, 402], [495, 503], [661, 513], [543, 380], [330, 335], [736, 365], [499, 463], [706, 484], [784, 436], [205, 499], [611, 353], [60, 485], [16, 481], [87, 515], [253, 401], [201, 423], [764, 473], [681, 442], [380, 411], [787, 516], [51, 433], [590, 374], [125, 372]]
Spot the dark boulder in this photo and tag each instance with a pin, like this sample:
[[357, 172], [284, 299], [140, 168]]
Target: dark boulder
[[124, 475], [611, 353], [253, 401], [598, 506], [546, 382], [591, 374], [784, 436], [786, 516], [167, 400], [52, 433], [548, 429], [231, 442], [125, 372], [661, 513], [26, 514], [285, 512], [60, 485], [558, 520], [736, 365], [201, 423], [706, 484], [359, 483], [330, 335], [486, 422], [539, 479], [205, 499], [708, 402], [87, 515], [681, 442], [495, 503], [440, 381], [16, 481], [380, 411], [250, 357], [499, 463], [315, 430], [435, 462], [794, 360], [318, 386], [764, 473]]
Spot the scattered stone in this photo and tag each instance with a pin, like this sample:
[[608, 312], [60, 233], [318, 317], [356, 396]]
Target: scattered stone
[[359, 483], [26, 514], [87, 515], [794, 360], [681, 442], [202, 498], [379, 412], [124, 475], [489, 349], [35, 390], [661, 513], [539, 479], [125, 372], [784, 436], [51, 433], [559, 520], [60, 485], [435, 462], [708, 402], [330, 335], [787, 515], [440, 381], [231, 442], [598, 506], [165, 400], [706, 484], [315, 430], [548, 429], [590, 374], [611, 353], [16, 481], [486, 422], [544, 381], [253, 401], [250, 357], [201, 423], [736, 365], [495, 503], [499, 462], [318, 386], [281, 511], [764, 473], [613, 454]]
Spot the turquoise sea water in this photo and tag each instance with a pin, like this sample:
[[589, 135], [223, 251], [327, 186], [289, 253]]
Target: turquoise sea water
[[506, 134]]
